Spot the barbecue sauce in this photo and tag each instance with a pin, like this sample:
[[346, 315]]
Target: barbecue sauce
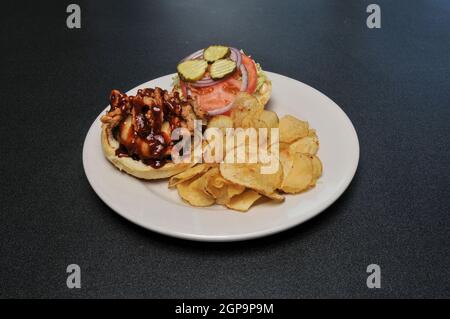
[[139, 133]]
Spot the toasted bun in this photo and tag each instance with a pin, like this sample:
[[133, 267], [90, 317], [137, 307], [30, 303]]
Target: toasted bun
[[133, 167]]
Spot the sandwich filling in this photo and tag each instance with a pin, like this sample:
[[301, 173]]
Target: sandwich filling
[[214, 76], [142, 124]]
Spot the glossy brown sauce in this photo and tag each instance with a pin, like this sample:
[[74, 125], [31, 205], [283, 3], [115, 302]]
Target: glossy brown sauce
[[140, 132]]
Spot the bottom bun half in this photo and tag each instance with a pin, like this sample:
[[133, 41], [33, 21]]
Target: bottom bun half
[[134, 167]]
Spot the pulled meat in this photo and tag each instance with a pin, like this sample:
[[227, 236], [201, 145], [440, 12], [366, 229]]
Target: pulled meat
[[143, 123]]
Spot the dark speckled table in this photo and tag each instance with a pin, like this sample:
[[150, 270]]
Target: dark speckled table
[[393, 82]]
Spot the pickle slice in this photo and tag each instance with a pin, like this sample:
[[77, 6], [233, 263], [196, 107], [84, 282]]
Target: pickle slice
[[192, 70], [216, 52], [222, 68]]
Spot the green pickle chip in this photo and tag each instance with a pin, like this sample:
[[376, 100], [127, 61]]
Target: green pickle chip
[[216, 52], [192, 70], [221, 68]]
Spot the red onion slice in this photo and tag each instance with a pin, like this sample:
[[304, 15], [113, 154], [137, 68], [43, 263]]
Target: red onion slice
[[194, 55], [244, 83], [222, 110], [236, 56], [206, 82]]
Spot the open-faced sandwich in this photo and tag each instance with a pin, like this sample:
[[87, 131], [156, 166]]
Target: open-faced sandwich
[[213, 77], [136, 131], [217, 99]]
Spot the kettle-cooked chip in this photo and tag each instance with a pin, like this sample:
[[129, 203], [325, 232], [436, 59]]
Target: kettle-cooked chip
[[269, 118], [249, 175], [243, 201], [312, 132], [317, 169], [292, 129], [188, 174], [220, 188], [245, 105], [221, 121], [193, 191], [305, 145], [286, 161], [275, 196], [300, 174], [264, 119]]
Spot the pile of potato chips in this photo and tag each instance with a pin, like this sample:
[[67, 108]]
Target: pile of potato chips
[[240, 185]]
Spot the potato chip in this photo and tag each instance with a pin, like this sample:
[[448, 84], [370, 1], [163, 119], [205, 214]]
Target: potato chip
[[275, 196], [221, 121], [299, 175], [317, 169], [305, 145], [234, 189], [283, 146], [213, 148], [215, 183], [262, 119], [243, 147], [249, 175], [286, 161], [292, 129], [248, 121], [269, 118], [245, 105], [220, 188], [188, 174], [218, 181], [223, 195], [312, 133], [265, 119], [193, 192], [243, 201]]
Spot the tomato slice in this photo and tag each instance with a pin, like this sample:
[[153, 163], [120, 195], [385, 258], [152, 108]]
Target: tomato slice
[[251, 73], [219, 95]]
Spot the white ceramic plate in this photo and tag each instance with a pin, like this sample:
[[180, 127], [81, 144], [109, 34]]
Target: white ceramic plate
[[153, 206]]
